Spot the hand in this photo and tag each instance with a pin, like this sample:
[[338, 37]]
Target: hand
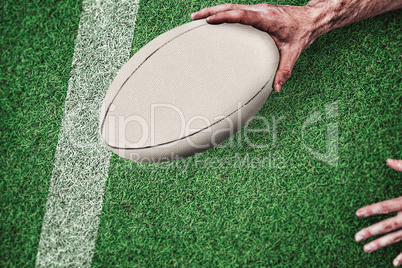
[[294, 28], [392, 227], [289, 26]]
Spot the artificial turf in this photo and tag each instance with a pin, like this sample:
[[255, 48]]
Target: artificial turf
[[230, 206]]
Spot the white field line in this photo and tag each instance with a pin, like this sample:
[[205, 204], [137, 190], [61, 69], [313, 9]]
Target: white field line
[[78, 181]]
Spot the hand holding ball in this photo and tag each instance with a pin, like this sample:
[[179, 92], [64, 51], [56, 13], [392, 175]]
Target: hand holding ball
[[188, 90]]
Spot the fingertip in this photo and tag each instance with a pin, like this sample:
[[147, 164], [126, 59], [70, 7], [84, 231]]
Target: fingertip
[[210, 18], [398, 260], [360, 213], [278, 86], [369, 248], [395, 164], [195, 15], [391, 162], [358, 237]]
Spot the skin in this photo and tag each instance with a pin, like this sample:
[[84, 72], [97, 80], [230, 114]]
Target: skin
[[294, 28], [392, 227]]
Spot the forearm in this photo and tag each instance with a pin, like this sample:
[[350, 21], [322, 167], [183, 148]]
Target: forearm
[[332, 14]]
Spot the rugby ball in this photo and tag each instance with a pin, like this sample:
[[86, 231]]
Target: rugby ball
[[188, 90]]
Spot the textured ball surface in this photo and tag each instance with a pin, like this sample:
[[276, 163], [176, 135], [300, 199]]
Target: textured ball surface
[[188, 90]]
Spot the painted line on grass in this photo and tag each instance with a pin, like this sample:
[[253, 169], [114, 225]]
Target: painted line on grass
[[80, 171]]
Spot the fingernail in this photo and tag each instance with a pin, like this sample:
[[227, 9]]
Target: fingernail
[[278, 86], [359, 237], [368, 248], [210, 17], [397, 262], [360, 213], [192, 15]]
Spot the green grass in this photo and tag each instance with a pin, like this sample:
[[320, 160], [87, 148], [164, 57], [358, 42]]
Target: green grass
[[36, 46], [195, 212]]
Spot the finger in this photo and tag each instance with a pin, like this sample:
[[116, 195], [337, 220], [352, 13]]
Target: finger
[[398, 260], [209, 11], [286, 64], [384, 241], [382, 227], [248, 17], [384, 207], [395, 164]]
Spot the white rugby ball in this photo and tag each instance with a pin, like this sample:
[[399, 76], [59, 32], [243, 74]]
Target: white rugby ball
[[188, 90]]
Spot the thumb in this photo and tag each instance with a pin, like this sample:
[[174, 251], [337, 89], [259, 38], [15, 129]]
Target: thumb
[[287, 61]]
